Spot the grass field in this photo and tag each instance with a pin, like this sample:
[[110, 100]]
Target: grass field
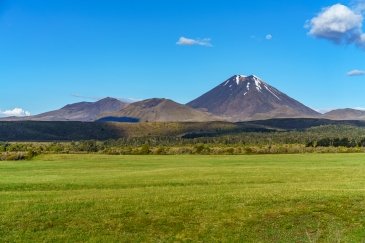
[[269, 198]]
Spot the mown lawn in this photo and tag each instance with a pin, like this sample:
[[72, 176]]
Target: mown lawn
[[268, 198]]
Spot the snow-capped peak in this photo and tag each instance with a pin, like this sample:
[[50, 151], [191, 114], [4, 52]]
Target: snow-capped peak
[[235, 79], [251, 83], [239, 78], [248, 97]]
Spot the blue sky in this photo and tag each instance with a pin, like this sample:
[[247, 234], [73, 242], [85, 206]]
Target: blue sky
[[63, 51]]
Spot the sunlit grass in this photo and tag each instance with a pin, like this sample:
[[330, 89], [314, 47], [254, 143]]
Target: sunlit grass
[[286, 198]]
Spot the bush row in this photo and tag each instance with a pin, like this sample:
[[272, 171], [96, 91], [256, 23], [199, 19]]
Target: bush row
[[17, 155], [203, 149]]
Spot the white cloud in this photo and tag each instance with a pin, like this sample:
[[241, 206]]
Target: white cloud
[[15, 112], [268, 37], [356, 72], [338, 23], [183, 41]]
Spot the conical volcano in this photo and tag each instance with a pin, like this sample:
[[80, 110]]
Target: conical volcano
[[242, 98]]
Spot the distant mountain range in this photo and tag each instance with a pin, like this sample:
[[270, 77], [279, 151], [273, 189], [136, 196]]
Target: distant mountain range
[[239, 98], [82, 111]]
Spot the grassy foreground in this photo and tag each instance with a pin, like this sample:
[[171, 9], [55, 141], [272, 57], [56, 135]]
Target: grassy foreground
[[268, 198]]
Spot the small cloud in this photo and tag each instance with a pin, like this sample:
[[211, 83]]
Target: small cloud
[[15, 112], [183, 41], [268, 37], [260, 38], [356, 72], [339, 24]]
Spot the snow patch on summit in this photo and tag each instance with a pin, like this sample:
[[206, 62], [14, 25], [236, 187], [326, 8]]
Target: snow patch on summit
[[248, 81], [239, 78]]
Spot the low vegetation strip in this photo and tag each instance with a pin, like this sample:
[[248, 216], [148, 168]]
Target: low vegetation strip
[[259, 198], [215, 139], [27, 151]]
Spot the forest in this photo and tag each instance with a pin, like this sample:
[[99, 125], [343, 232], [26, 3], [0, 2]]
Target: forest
[[320, 139]]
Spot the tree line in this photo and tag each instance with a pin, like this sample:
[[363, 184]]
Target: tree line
[[314, 140]]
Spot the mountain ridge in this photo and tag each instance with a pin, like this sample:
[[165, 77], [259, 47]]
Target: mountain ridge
[[162, 110], [81, 111], [241, 98], [345, 114]]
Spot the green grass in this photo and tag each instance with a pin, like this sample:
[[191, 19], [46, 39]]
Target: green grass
[[269, 198]]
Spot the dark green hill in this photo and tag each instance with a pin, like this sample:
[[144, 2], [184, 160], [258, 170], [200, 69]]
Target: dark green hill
[[73, 131]]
